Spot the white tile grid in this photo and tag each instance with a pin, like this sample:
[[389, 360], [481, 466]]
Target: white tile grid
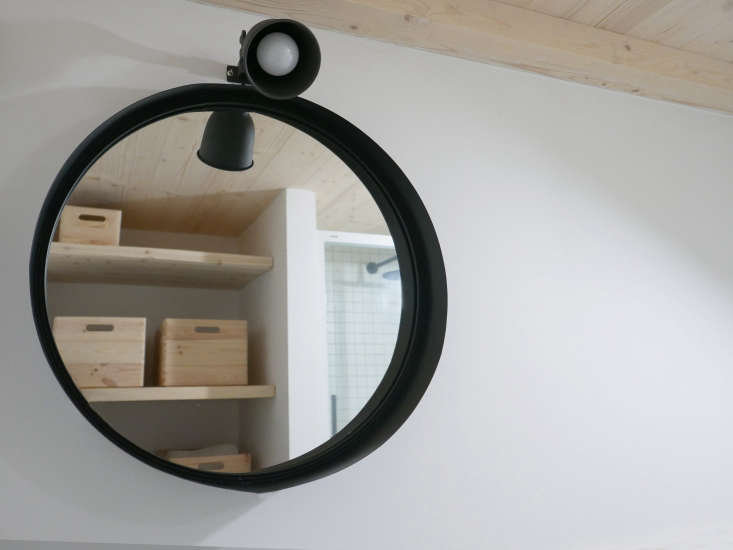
[[363, 315]]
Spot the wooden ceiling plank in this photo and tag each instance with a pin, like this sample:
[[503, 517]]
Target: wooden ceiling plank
[[355, 208], [718, 41], [630, 14], [556, 8], [270, 134], [680, 21], [155, 177], [299, 159], [494, 32], [594, 12]]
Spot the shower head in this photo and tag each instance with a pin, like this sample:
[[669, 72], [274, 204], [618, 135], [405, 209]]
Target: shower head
[[373, 267]]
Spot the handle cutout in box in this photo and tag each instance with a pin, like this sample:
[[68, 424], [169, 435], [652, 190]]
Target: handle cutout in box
[[100, 328], [211, 466], [91, 218], [208, 330]]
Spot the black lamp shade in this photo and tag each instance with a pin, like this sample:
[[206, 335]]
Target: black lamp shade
[[293, 83], [228, 141]]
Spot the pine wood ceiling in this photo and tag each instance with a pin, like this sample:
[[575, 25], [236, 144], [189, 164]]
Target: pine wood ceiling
[[701, 26], [676, 50], [156, 179]]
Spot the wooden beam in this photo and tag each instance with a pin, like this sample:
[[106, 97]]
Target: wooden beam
[[493, 32]]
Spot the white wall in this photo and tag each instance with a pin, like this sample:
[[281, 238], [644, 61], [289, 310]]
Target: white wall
[[263, 303], [285, 311], [37, 545], [309, 402], [582, 401]]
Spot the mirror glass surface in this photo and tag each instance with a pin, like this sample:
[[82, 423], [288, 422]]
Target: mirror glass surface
[[227, 321]]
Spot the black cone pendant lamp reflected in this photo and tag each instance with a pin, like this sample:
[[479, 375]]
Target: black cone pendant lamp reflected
[[228, 140]]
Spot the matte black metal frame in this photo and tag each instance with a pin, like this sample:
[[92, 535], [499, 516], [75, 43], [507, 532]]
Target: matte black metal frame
[[424, 293]]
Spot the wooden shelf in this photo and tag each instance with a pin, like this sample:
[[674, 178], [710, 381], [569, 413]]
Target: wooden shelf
[[152, 266], [177, 393]]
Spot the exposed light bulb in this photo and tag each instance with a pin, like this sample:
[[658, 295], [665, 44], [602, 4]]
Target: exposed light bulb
[[277, 54]]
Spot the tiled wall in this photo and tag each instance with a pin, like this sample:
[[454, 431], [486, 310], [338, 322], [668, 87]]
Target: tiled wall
[[363, 318]]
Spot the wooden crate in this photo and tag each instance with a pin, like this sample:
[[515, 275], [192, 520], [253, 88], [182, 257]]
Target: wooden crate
[[102, 351], [83, 225], [233, 464], [202, 352]]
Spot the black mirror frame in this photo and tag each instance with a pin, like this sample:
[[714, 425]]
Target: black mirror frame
[[424, 292]]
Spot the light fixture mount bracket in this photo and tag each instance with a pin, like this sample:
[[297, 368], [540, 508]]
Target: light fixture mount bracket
[[236, 73]]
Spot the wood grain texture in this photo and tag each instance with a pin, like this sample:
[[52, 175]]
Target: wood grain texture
[[496, 32], [156, 179], [102, 351], [233, 464], [183, 393], [202, 352], [700, 26], [152, 266], [85, 225]]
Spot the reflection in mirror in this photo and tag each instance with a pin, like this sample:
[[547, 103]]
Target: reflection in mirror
[[224, 320]]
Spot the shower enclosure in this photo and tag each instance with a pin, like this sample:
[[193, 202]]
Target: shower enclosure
[[364, 302]]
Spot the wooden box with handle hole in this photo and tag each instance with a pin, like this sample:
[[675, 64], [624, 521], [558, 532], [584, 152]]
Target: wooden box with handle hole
[[230, 464], [102, 351], [83, 225], [216, 458], [202, 352]]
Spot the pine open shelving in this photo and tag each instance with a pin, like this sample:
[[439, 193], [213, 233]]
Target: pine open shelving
[[177, 393], [87, 263], [79, 263]]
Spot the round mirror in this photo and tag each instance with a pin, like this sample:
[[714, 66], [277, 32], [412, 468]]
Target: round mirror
[[231, 291]]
